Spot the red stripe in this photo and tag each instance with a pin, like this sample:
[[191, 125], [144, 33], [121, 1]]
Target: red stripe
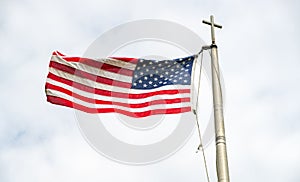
[[93, 61], [77, 59], [89, 76], [96, 101], [115, 94], [115, 69], [56, 53], [67, 103], [100, 65]]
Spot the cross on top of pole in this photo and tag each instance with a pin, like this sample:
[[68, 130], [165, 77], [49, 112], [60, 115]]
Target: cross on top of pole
[[212, 25]]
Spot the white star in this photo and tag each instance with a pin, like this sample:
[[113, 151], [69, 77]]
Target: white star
[[153, 67], [150, 82], [172, 69], [186, 70], [176, 72], [187, 65], [140, 81], [145, 78], [185, 81], [161, 76], [151, 75], [162, 68], [150, 62], [145, 85], [178, 66], [186, 75], [180, 78], [155, 79], [138, 68], [160, 82], [167, 73], [181, 73], [144, 65], [165, 83], [141, 60], [171, 76], [134, 84], [141, 73], [155, 85], [135, 76], [159, 64], [174, 81], [147, 70], [156, 71]]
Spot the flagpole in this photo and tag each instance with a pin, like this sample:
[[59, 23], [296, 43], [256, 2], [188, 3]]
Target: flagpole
[[221, 151]]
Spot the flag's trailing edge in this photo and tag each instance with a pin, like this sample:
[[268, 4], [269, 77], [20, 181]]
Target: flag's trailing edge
[[129, 86]]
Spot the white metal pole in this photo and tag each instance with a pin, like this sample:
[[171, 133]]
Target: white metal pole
[[221, 151]]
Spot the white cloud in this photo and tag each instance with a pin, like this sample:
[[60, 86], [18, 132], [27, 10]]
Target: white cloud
[[259, 59]]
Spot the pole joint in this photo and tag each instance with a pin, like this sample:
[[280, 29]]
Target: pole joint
[[213, 45]]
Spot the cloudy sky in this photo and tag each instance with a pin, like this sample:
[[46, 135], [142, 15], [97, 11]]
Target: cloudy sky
[[259, 57]]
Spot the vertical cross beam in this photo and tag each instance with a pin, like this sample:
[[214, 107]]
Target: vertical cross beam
[[212, 25]]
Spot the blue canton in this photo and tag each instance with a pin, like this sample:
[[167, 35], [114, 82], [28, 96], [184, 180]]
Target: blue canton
[[150, 74]]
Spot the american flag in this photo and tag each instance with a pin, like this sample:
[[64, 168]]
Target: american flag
[[128, 86]]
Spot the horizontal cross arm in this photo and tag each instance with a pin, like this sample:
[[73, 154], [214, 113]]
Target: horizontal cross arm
[[209, 23]]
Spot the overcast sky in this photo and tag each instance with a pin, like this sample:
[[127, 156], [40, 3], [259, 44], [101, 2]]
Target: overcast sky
[[259, 57]]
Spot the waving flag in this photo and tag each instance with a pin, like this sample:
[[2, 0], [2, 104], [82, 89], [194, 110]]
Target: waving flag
[[133, 87]]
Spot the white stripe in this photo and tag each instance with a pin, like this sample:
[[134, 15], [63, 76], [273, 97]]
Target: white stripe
[[92, 70], [87, 82], [167, 87], [118, 63], [110, 61], [103, 106], [123, 100]]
